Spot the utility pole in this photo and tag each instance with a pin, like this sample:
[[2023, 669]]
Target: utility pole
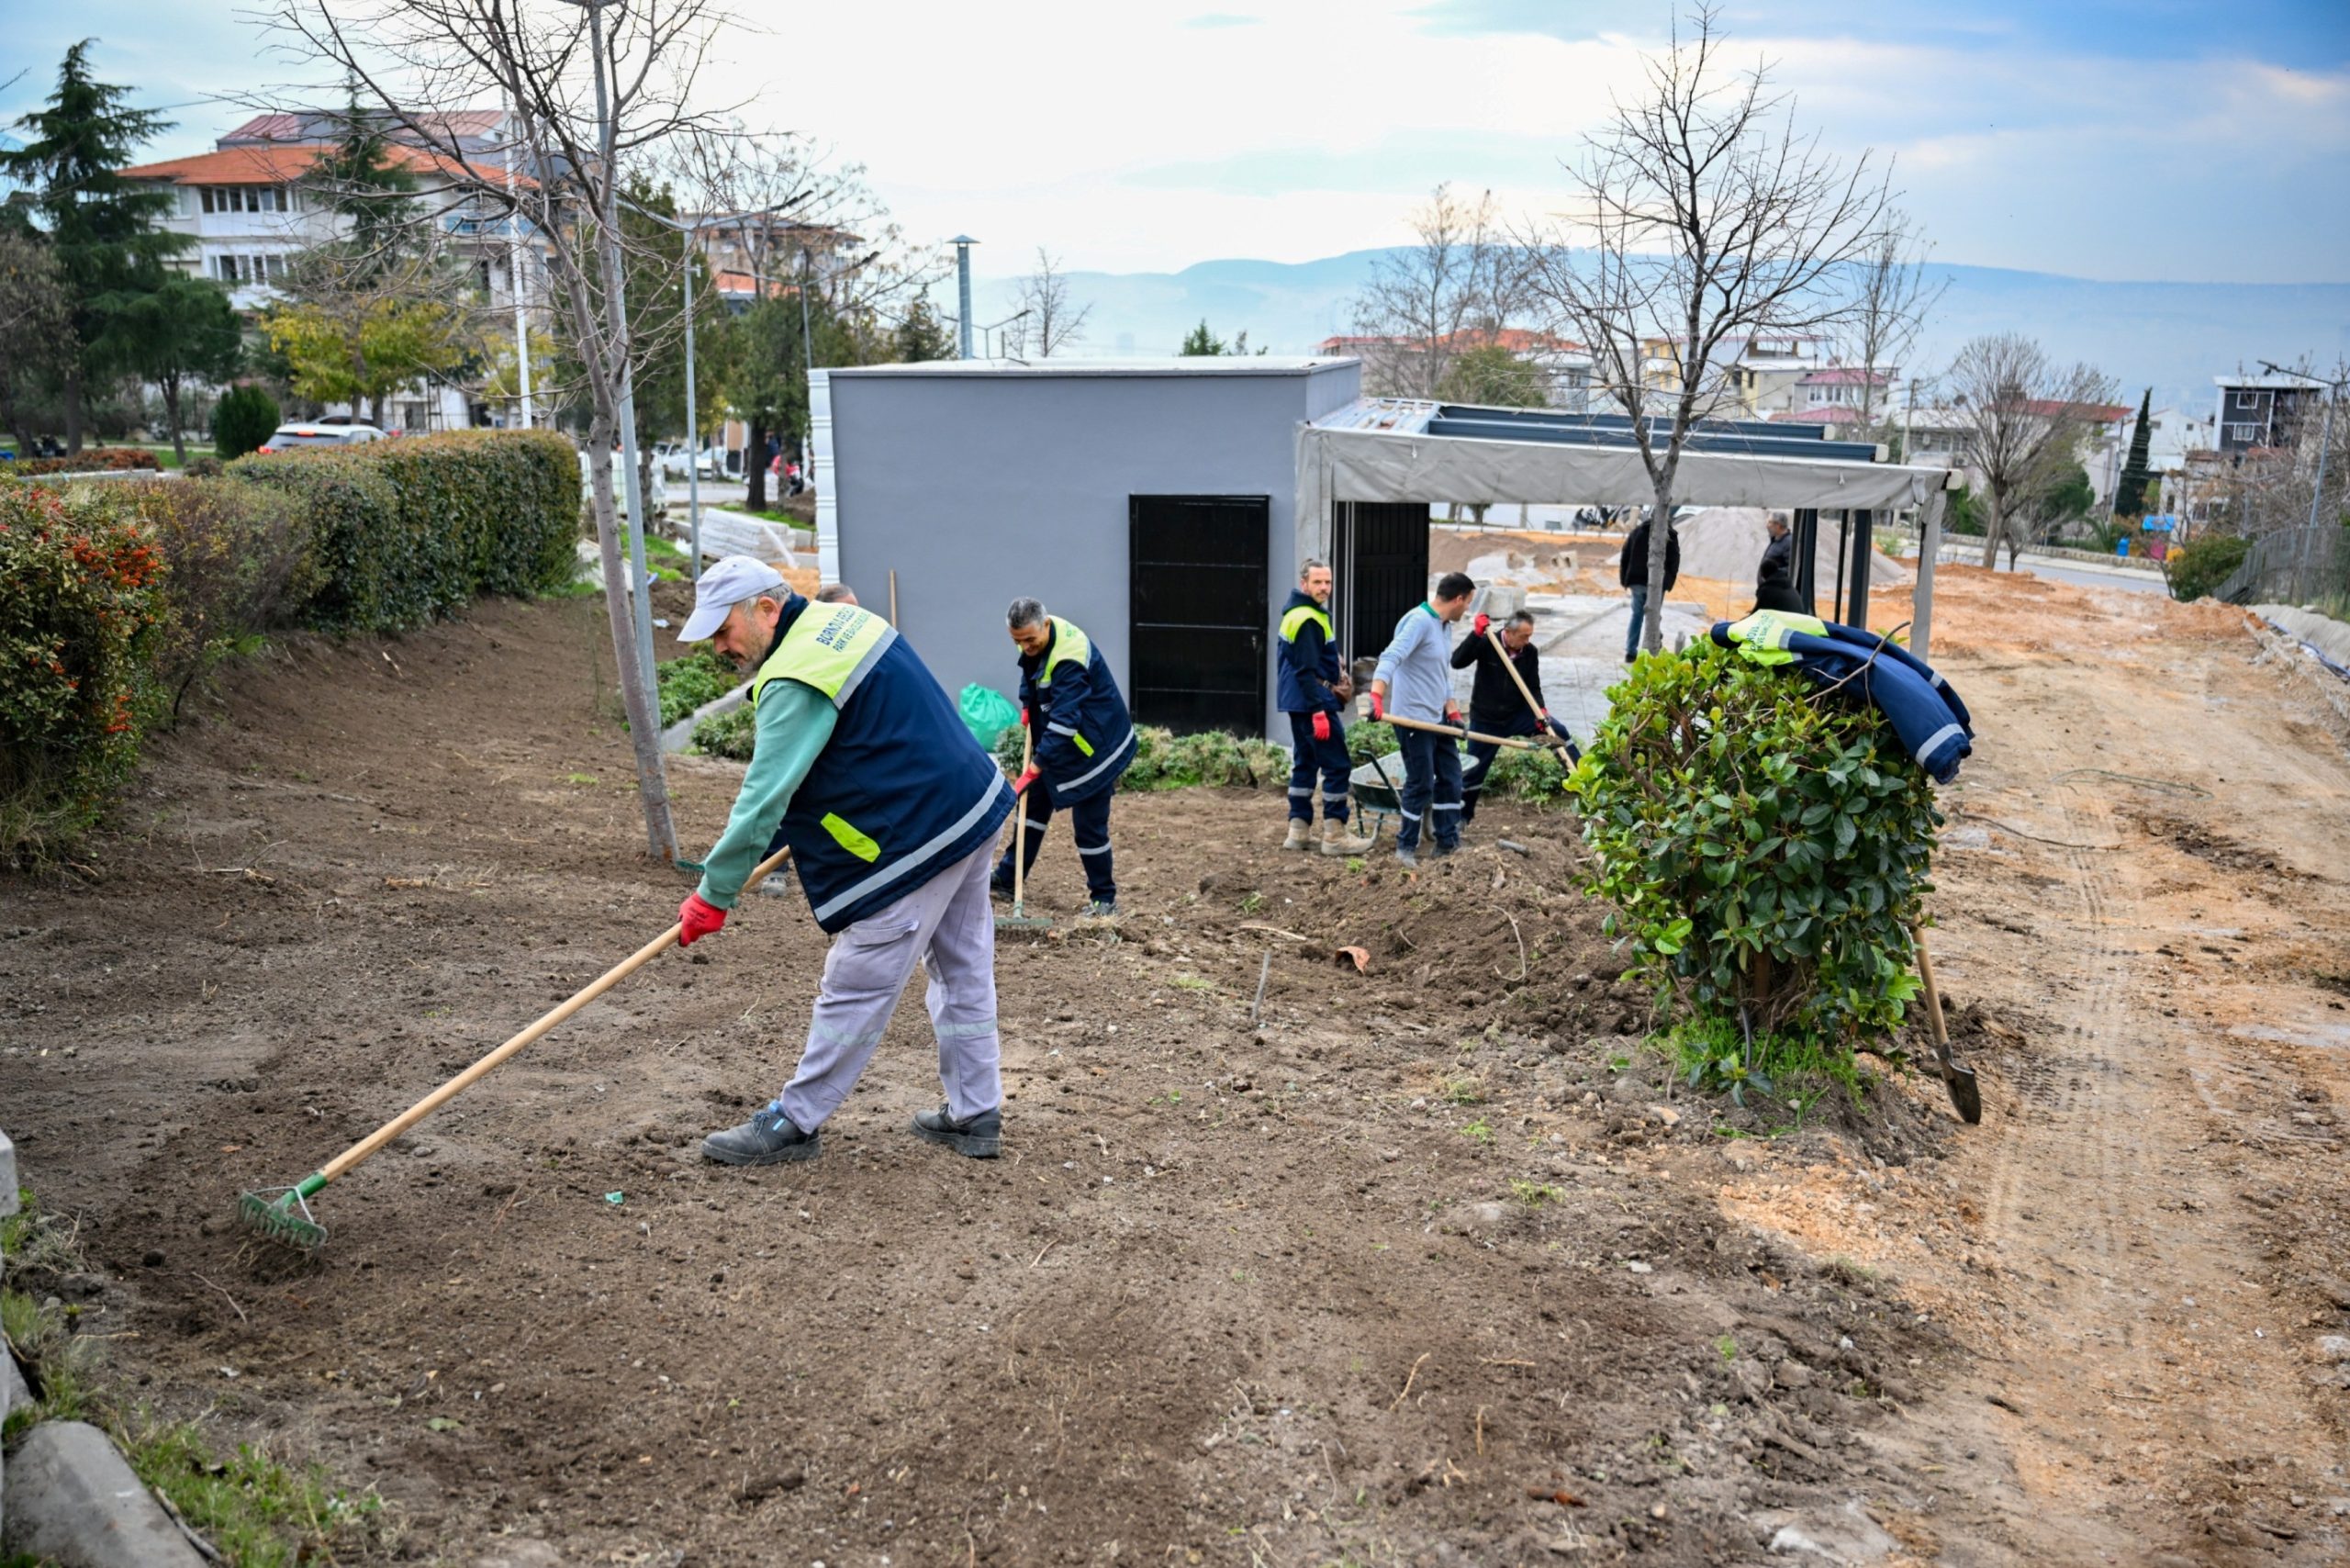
[[514, 253]]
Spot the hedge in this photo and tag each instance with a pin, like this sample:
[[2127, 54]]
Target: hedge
[[89, 460], [115, 598], [404, 533], [78, 603]]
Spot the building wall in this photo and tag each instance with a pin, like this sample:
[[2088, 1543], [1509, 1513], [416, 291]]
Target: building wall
[[979, 487]]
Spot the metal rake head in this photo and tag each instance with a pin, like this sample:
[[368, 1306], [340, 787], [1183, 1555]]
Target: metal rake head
[[283, 1214]]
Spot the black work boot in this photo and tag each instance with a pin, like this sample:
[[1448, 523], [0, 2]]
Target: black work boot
[[981, 1137], [768, 1138]]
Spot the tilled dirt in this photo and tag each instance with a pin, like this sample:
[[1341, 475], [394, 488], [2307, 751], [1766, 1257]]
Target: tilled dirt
[[1424, 1262]]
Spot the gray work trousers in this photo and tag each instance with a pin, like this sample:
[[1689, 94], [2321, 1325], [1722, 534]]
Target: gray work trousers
[[948, 924]]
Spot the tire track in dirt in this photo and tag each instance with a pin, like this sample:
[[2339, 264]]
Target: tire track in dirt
[[2132, 1369]]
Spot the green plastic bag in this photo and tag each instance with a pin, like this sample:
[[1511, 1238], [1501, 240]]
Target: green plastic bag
[[986, 713]]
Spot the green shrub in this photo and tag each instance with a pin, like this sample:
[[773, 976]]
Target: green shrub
[[89, 460], [1536, 775], [2195, 568], [403, 532], [77, 606], [242, 420], [1369, 739], [728, 735], [1164, 760], [687, 683], [236, 560], [1765, 845]]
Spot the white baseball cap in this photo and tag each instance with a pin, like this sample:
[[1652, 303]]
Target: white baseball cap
[[730, 582]]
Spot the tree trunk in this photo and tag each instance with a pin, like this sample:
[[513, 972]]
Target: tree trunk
[[1660, 543], [72, 403], [1994, 524], [643, 712], [754, 467], [170, 387]]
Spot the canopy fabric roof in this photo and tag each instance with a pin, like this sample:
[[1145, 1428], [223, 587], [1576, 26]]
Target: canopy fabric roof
[[1382, 465]]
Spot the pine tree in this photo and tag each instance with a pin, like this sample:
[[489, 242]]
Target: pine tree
[[921, 335], [360, 181], [1201, 342], [102, 231], [2130, 492]]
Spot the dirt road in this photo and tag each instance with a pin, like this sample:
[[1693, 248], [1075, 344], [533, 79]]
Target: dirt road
[[1428, 1264]]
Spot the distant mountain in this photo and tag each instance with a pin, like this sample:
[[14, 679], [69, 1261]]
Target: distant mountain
[[2172, 336]]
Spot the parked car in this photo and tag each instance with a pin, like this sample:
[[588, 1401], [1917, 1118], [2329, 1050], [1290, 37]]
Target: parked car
[[319, 433], [670, 457]]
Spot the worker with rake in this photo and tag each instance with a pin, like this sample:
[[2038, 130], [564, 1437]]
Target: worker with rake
[[1080, 741], [1312, 692], [863, 767], [1414, 679], [1499, 705]]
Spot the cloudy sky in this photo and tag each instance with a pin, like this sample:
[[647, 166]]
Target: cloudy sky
[[2109, 139]]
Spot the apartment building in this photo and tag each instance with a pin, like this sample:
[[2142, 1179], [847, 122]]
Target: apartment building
[[2257, 412]]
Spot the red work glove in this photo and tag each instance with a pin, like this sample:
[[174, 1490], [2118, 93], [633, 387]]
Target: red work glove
[[1020, 787], [1023, 715], [1321, 726], [1452, 713], [698, 917], [1378, 709], [1482, 622]]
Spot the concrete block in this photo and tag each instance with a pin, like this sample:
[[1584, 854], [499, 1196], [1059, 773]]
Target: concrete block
[[73, 1500], [7, 1176]]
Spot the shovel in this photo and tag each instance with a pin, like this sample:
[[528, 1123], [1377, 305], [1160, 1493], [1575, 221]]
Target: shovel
[[1542, 720], [1959, 1080], [283, 1214], [1020, 919]]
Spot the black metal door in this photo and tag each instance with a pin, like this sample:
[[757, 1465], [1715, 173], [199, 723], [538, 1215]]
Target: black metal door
[[1381, 569], [1200, 620]]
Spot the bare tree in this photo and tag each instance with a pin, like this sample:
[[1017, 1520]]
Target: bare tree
[[1697, 218], [1450, 292], [1892, 296], [2022, 417], [35, 327], [599, 89], [1057, 323]]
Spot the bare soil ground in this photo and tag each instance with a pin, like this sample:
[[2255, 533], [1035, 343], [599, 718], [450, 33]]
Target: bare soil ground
[[1427, 1263]]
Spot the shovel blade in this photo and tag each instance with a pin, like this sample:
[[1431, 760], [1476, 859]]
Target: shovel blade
[[1964, 1092]]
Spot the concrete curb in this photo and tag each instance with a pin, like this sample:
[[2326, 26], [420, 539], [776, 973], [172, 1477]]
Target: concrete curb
[[77, 1502]]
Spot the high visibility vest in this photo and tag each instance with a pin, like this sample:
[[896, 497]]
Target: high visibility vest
[[1098, 731], [901, 791], [1763, 636]]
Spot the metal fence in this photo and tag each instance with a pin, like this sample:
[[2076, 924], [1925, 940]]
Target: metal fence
[[2295, 565]]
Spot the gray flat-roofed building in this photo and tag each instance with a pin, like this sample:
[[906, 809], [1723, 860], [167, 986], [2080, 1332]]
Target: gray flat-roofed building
[[1148, 501], [1164, 506]]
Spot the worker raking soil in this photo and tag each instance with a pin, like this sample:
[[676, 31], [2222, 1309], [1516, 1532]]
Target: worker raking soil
[[890, 809], [1082, 739]]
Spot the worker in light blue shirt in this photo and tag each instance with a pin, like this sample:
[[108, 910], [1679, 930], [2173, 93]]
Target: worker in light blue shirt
[[1414, 681]]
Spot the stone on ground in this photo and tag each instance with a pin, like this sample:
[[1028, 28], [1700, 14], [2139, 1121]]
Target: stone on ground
[[7, 1176], [73, 1500]]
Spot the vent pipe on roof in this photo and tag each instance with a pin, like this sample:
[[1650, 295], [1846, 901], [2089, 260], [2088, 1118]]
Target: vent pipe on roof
[[963, 244]]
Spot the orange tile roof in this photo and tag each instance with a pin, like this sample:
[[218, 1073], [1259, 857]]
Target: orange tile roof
[[277, 165]]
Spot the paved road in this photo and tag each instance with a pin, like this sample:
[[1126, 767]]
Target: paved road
[[2080, 572]]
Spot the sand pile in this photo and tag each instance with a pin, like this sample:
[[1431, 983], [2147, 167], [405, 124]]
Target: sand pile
[[1727, 542]]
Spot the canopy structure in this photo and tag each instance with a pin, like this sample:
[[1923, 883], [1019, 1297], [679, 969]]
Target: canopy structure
[[1397, 450]]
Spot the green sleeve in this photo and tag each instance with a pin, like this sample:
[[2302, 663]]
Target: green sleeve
[[795, 725]]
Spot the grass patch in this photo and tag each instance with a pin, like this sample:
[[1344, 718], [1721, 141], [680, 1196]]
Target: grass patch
[[260, 1513], [1191, 982], [1714, 1053], [1479, 1131], [1533, 1194], [1462, 1091], [687, 683]]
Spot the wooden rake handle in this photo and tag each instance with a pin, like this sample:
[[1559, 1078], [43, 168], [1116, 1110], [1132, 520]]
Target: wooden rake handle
[[1541, 718], [1513, 742], [447, 1091]]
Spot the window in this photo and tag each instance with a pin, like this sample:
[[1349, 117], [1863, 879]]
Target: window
[[228, 266], [2247, 401]]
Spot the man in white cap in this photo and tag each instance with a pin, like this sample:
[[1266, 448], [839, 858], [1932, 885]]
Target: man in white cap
[[862, 765]]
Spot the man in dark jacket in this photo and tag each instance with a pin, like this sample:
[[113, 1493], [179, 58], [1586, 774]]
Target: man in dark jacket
[[1774, 576], [1496, 707], [1313, 691], [1082, 739], [1632, 572]]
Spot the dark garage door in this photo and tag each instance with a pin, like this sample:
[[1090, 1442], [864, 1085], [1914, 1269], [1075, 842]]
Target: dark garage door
[[1382, 550], [1200, 620]]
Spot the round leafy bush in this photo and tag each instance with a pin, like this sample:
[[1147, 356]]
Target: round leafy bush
[[2195, 568], [235, 558], [687, 683], [242, 420], [1766, 845]]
